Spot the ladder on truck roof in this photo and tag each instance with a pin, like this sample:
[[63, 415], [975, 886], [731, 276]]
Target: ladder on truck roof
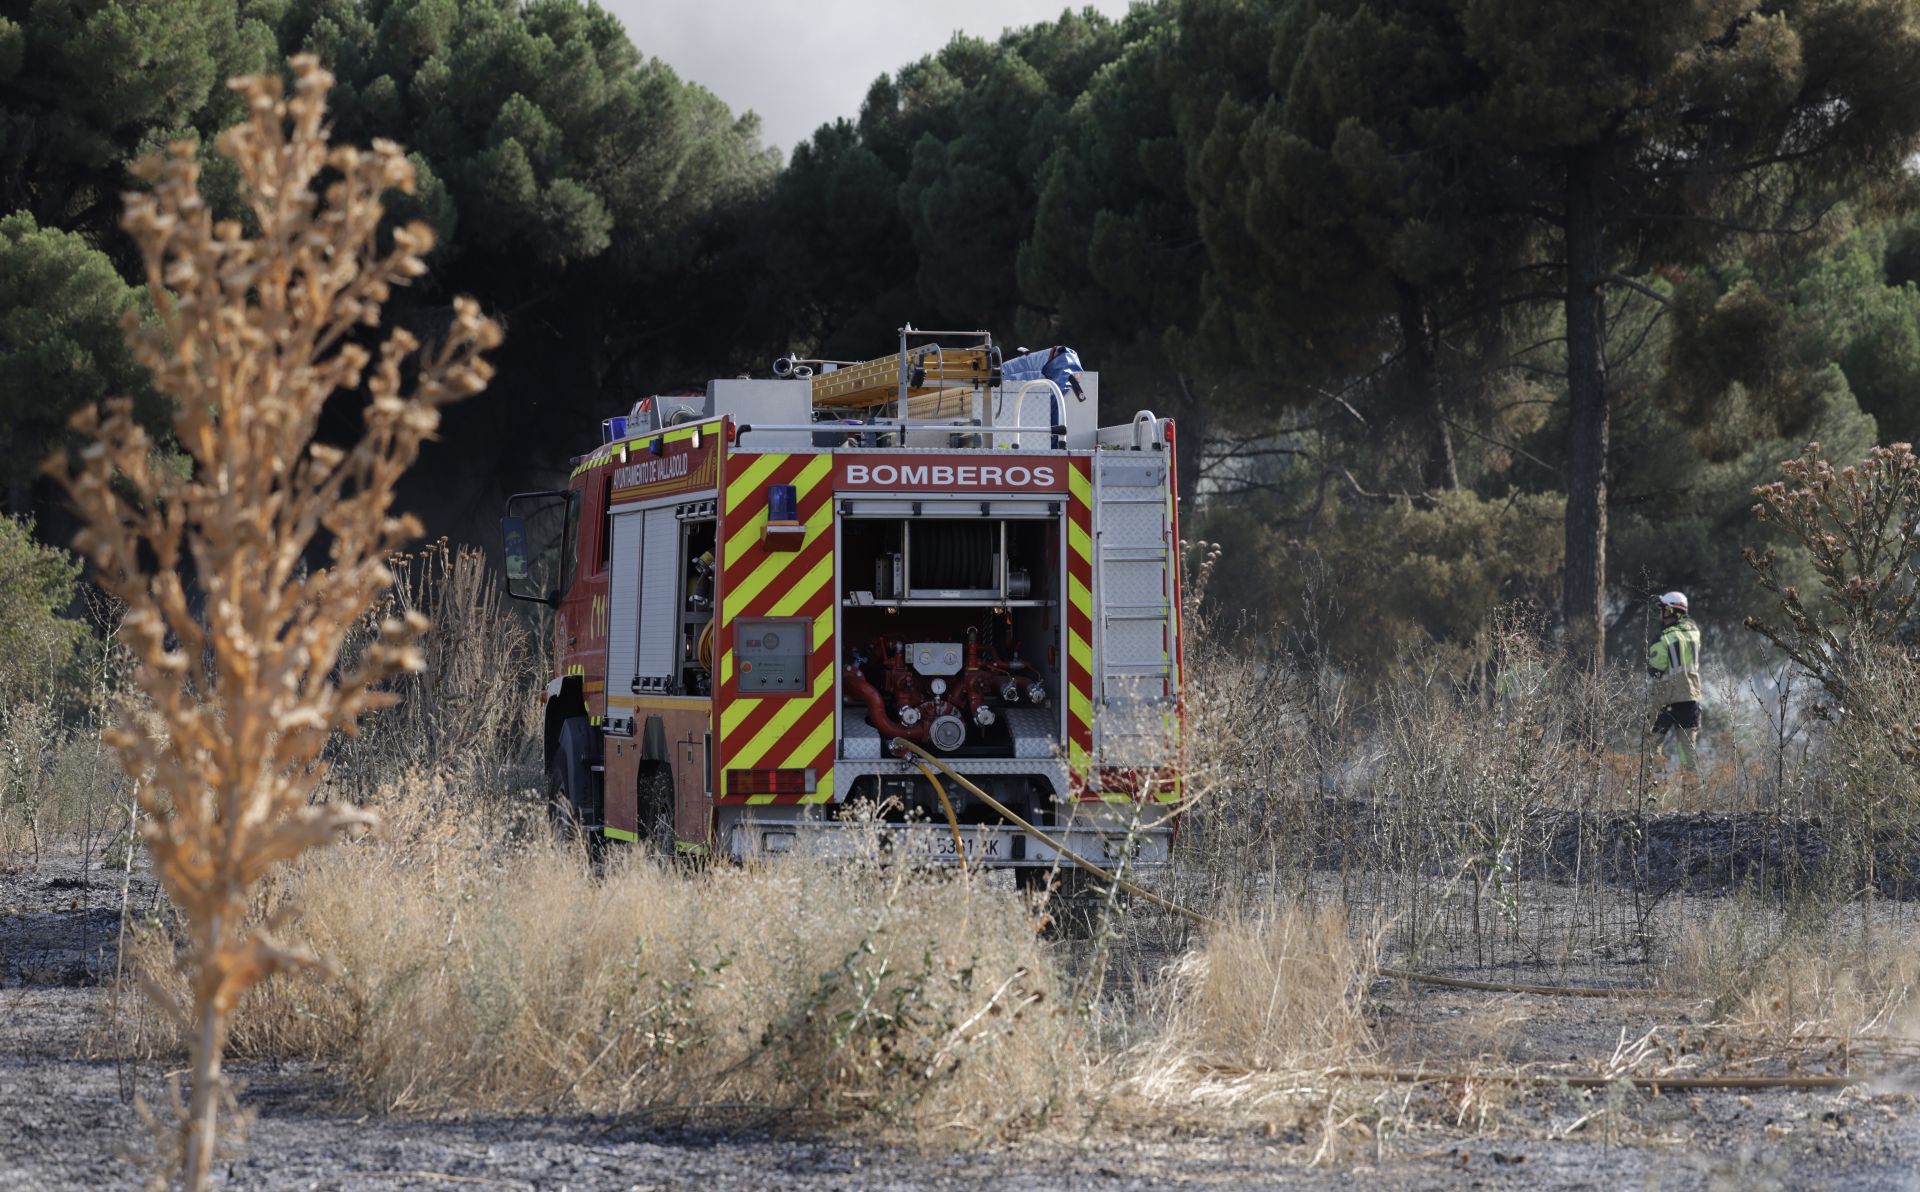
[[935, 381], [1135, 679], [930, 370]]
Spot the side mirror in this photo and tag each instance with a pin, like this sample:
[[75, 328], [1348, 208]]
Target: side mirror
[[513, 537], [541, 554]]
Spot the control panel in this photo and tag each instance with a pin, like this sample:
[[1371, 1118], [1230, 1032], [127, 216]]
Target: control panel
[[771, 654], [937, 658]]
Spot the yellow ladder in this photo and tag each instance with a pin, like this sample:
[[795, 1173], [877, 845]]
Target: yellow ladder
[[933, 373]]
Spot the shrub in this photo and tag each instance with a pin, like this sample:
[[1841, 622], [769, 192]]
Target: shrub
[[256, 327], [36, 587]]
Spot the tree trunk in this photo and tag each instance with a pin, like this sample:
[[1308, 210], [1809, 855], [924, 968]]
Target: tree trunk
[[1441, 472], [1583, 596]]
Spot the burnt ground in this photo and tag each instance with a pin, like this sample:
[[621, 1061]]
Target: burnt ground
[[65, 1113]]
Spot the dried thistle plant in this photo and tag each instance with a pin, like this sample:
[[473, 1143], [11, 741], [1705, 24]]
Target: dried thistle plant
[[1860, 526], [237, 642]]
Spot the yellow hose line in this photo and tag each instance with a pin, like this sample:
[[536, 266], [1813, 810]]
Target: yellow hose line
[[1050, 842], [953, 821], [900, 743]]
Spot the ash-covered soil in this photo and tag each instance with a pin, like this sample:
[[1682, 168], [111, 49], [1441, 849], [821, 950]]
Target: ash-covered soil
[[66, 1115], [1697, 852]]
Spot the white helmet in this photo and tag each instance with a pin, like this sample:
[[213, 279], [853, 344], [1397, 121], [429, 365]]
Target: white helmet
[[1677, 601]]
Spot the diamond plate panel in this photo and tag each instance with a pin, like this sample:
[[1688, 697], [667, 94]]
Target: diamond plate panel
[[1035, 732], [859, 741], [1133, 523]]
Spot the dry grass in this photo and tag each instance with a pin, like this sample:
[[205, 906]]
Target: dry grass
[[471, 716], [470, 978], [1824, 977], [473, 976], [1282, 992]]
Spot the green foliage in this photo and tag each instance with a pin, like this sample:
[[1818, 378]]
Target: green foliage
[[85, 84], [1340, 205], [1114, 264], [1679, 513], [1752, 335], [36, 639], [1653, 133], [586, 192], [1377, 579], [551, 135], [60, 343]]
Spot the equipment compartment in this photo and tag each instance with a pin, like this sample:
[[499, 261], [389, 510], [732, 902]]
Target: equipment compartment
[[959, 662]]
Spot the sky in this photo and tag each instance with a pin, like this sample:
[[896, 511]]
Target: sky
[[802, 63]]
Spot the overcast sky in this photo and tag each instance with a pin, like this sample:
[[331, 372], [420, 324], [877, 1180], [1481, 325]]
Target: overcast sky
[[801, 63]]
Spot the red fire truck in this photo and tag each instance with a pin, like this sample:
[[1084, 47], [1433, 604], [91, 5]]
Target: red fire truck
[[760, 589]]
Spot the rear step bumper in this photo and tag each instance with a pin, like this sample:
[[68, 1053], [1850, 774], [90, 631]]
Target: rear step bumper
[[996, 846]]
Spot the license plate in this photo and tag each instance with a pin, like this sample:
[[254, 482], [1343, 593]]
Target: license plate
[[987, 846]]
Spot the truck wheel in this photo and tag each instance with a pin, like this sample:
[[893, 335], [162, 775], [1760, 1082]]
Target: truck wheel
[[561, 816], [572, 805], [656, 810]]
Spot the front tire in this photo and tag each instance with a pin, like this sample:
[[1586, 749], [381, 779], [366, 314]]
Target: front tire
[[572, 802], [562, 818]]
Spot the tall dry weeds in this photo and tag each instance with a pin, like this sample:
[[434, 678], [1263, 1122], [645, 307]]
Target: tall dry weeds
[[473, 977], [236, 639]]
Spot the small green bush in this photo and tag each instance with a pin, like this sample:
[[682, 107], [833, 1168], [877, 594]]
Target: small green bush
[[37, 639]]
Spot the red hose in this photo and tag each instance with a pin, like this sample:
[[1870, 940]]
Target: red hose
[[877, 709]]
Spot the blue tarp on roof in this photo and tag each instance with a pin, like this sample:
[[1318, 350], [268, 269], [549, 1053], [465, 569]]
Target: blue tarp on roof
[[1055, 364]]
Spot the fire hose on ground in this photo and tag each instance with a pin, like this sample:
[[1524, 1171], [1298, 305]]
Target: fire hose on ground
[[901, 745], [1404, 1076]]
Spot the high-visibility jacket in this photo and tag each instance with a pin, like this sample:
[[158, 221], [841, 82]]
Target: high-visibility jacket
[[1674, 659]]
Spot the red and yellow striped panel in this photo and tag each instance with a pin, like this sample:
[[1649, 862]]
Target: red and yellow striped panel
[[1079, 684], [779, 731]]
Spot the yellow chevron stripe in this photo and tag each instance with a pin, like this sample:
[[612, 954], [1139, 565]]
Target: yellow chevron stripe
[[738, 710], [1080, 706], [1080, 652], [1080, 484], [775, 563], [1080, 541], [805, 589], [726, 667], [740, 487], [753, 755], [809, 749], [759, 800]]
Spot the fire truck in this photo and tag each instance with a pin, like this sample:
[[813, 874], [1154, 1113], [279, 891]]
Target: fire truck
[[761, 591]]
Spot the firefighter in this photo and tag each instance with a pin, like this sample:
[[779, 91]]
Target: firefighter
[[1674, 662]]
